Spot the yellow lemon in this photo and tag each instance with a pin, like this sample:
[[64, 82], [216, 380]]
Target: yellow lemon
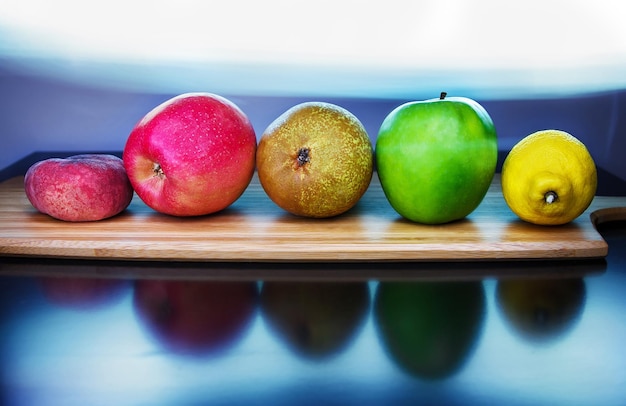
[[549, 178]]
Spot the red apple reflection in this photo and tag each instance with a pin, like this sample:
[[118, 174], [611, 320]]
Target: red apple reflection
[[195, 317], [82, 293]]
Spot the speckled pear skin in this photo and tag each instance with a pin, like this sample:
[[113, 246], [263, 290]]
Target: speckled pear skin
[[315, 160]]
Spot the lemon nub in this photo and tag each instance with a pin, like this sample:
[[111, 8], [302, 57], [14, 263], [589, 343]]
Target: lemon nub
[[551, 197], [549, 178]]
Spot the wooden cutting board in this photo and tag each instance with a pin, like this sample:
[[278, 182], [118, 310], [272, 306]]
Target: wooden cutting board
[[254, 229]]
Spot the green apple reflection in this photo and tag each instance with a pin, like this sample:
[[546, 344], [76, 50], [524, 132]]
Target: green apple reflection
[[195, 317], [315, 319], [429, 329], [541, 310]]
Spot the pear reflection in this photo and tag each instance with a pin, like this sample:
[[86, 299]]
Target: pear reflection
[[195, 317], [82, 293], [316, 320], [541, 310], [429, 329]]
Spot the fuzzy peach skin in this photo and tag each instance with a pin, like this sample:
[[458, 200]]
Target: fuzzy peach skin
[[87, 187]]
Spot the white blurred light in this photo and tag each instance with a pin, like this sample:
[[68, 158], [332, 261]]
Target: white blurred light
[[337, 47]]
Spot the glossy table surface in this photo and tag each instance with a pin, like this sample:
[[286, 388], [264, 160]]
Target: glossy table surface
[[137, 333]]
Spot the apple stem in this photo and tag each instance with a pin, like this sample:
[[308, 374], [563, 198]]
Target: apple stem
[[158, 171], [303, 156], [551, 197], [442, 95]]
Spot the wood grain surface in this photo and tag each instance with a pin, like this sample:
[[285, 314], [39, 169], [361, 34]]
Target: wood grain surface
[[254, 229]]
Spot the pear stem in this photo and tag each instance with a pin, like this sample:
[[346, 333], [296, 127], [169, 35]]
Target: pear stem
[[442, 95], [550, 197], [303, 156]]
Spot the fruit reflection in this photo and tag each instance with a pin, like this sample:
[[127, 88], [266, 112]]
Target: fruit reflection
[[429, 328], [82, 293], [315, 319], [541, 310], [195, 317]]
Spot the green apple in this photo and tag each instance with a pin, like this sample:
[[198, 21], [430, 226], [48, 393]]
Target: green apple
[[436, 158], [429, 329]]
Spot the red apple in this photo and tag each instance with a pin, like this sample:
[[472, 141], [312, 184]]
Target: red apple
[[192, 155], [84, 187], [195, 317]]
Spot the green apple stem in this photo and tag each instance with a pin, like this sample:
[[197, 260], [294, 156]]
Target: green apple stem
[[303, 156], [550, 197], [442, 95]]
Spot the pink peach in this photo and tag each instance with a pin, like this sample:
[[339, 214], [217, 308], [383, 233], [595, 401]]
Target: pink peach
[[85, 187]]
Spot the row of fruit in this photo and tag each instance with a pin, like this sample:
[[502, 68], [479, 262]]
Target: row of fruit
[[196, 153]]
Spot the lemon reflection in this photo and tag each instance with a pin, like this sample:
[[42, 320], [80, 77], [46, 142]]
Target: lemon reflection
[[429, 329], [541, 310]]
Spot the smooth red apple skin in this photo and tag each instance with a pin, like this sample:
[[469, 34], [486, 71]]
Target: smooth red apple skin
[[86, 187], [195, 317], [192, 155]]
